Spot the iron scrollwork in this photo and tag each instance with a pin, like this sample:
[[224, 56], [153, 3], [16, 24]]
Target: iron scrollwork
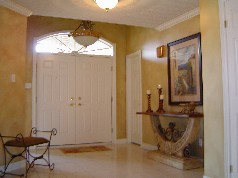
[[187, 151], [171, 133], [24, 144]]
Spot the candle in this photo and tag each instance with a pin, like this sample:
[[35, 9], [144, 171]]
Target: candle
[[147, 92], [159, 86], [161, 97]]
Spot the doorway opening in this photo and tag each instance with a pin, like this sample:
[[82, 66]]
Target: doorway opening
[[59, 43]]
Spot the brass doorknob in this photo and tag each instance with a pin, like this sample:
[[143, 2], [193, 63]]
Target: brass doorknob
[[79, 98], [71, 104], [71, 98], [79, 104]]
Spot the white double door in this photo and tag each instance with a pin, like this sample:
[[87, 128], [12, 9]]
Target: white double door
[[74, 96]]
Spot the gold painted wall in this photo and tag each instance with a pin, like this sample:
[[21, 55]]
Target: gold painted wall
[[38, 26], [12, 61], [154, 70], [212, 80]]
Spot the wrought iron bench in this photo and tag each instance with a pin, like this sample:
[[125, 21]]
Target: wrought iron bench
[[23, 145]]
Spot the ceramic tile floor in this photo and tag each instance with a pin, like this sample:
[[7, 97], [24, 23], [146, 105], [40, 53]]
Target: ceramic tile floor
[[123, 161]]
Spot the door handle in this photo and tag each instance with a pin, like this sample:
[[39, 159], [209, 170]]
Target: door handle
[[71, 104], [71, 98], [79, 104]]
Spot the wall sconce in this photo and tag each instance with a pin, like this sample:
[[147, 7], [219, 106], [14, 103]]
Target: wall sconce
[[161, 51]]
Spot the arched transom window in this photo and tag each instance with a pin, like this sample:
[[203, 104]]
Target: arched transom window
[[61, 43]]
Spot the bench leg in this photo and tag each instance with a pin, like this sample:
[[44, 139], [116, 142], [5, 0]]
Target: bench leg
[[7, 164], [44, 156]]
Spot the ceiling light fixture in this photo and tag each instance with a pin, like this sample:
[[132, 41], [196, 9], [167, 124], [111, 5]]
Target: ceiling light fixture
[[106, 4], [84, 34]]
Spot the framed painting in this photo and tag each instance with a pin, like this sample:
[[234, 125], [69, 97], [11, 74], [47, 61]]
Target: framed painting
[[185, 70]]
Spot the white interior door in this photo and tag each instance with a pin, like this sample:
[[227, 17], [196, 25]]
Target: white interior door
[[232, 61], [74, 96], [94, 92], [133, 97], [55, 93]]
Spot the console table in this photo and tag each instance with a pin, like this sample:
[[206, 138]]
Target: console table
[[174, 146]]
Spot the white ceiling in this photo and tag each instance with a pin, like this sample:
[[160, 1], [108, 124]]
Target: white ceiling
[[145, 13]]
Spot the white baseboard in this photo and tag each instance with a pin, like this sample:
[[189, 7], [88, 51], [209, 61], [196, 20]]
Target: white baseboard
[[14, 166], [147, 146], [206, 177], [121, 141]]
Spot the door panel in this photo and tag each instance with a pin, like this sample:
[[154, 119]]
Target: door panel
[[232, 42], [133, 97], [93, 86], [55, 87]]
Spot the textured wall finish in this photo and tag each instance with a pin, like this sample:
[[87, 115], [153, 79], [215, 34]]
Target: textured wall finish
[[12, 61], [212, 80]]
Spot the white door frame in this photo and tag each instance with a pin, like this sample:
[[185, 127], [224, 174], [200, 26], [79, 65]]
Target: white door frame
[[128, 119], [227, 160], [114, 99]]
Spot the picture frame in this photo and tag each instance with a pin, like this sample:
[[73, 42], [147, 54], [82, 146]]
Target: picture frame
[[185, 70]]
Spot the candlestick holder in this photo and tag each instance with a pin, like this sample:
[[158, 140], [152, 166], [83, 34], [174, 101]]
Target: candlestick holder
[[161, 101], [161, 109], [149, 107]]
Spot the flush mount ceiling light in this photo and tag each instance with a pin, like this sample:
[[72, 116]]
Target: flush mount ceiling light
[[106, 4], [84, 34]]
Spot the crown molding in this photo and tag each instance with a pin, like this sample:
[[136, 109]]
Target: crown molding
[[15, 7], [178, 20]]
